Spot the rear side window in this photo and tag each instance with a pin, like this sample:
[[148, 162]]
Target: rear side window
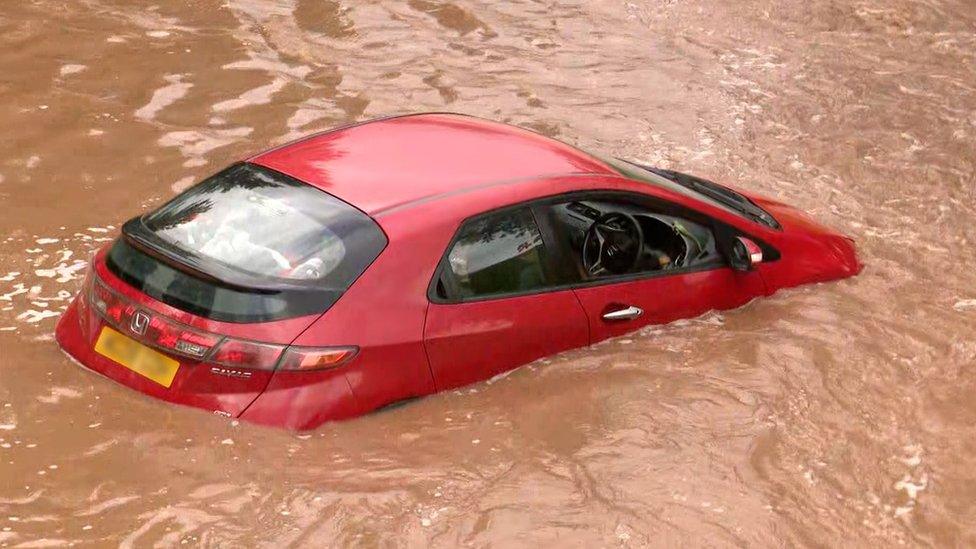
[[248, 244], [501, 253]]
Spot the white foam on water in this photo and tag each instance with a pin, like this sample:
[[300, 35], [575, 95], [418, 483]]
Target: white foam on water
[[261, 95], [157, 34], [31, 316], [173, 91], [195, 145], [57, 393], [72, 68], [501, 376], [18, 289], [65, 272], [911, 489], [965, 305], [182, 184]]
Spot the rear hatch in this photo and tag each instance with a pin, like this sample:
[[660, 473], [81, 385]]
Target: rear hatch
[[198, 301]]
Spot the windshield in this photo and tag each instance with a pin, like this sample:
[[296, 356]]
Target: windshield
[[695, 187]]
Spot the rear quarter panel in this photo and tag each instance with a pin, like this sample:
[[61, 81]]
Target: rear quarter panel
[[383, 314]]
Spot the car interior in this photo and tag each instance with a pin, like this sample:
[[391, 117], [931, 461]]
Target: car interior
[[614, 237], [504, 253]]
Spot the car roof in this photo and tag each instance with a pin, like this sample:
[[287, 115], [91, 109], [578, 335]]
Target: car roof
[[392, 162]]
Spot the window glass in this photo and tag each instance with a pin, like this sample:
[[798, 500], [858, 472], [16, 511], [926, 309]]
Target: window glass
[[266, 225], [498, 254], [695, 187], [606, 237], [248, 245]]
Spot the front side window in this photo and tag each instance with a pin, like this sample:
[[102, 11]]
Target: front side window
[[501, 253], [605, 237]]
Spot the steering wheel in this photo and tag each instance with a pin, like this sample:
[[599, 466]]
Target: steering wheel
[[614, 243]]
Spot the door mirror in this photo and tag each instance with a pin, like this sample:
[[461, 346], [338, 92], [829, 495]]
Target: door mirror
[[745, 255]]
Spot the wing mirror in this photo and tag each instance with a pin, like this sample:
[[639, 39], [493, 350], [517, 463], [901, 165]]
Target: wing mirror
[[745, 255]]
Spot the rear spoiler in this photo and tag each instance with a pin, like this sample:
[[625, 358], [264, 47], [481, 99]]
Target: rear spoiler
[[138, 236]]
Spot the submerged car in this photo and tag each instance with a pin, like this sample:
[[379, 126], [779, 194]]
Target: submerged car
[[396, 258]]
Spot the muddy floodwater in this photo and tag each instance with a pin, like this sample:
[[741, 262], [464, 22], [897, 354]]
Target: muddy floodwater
[[839, 414]]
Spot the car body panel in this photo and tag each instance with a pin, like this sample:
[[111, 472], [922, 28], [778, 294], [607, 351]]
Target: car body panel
[[420, 178], [473, 341], [395, 161], [812, 252], [195, 384], [303, 400], [383, 313], [666, 297]]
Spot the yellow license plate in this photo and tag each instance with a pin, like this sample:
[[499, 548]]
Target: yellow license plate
[[136, 357]]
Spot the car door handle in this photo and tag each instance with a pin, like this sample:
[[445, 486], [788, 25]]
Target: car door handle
[[624, 314]]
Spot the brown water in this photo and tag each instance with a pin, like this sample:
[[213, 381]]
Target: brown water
[[837, 414]]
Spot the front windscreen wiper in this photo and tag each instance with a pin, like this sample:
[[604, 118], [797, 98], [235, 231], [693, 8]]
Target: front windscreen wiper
[[718, 193]]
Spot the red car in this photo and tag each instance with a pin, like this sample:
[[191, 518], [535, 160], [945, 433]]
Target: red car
[[399, 257]]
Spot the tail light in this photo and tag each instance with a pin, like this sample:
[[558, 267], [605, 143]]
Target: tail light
[[153, 329], [181, 339], [247, 354], [312, 358]]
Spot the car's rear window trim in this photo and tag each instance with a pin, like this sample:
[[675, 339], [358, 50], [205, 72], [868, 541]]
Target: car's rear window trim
[[193, 264], [310, 300], [162, 252]]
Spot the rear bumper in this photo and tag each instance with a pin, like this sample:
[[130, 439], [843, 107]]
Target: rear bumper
[[78, 342], [291, 400]]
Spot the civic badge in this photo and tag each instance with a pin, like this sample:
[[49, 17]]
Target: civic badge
[[139, 323]]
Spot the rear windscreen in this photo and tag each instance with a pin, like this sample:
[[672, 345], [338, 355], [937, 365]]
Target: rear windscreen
[[248, 244]]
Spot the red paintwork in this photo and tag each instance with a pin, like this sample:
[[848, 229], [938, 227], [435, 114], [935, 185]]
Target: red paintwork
[[393, 161], [194, 385], [667, 298], [470, 342], [420, 177]]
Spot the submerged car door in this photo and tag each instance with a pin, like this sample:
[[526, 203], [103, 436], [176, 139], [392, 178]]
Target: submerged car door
[[682, 273], [493, 303]]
